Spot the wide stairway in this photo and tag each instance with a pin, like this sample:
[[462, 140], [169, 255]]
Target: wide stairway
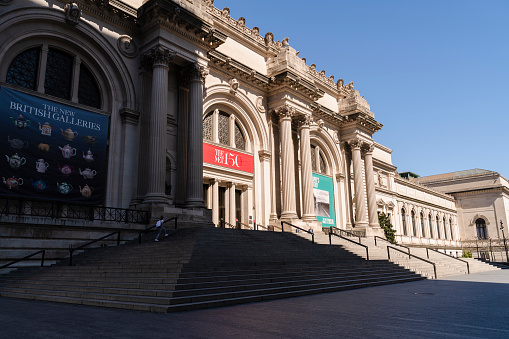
[[199, 268], [444, 265]]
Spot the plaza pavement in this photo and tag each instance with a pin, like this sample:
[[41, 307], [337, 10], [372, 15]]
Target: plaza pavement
[[467, 306]]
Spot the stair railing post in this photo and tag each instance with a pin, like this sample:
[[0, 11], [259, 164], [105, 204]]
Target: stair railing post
[[42, 259], [139, 237], [427, 252], [375, 240], [176, 223], [330, 238], [388, 253], [70, 255], [118, 238], [282, 226]]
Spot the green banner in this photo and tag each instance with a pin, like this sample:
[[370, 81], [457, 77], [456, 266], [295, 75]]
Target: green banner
[[324, 200]]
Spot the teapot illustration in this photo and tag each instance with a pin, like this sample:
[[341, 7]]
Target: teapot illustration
[[39, 185], [69, 134], [90, 140], [64, 187], [45, 128], [66, 169], [86, 191], [89, 157], [43, 147], [13, 182], [15, 161], [87, 173], [17, 143], [20, 122], [41, 166], [68, 151]]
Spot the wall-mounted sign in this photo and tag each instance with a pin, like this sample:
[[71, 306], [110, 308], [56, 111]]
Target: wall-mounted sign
[[324, 200], [227, 158], [51, 150]]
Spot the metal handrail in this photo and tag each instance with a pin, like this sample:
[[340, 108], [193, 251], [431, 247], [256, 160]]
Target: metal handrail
[[232, 226], [259, 225], [354, 242], [376, 236], [350, 234], [247, 226], [72, 249], [151, 227], [297, 227], [412, 255], [28, 256], [450, 256]]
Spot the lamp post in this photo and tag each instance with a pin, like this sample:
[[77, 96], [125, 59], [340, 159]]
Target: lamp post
[[503, 235]]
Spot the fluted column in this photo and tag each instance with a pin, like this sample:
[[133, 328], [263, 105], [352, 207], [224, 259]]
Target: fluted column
[[197, 76], [288, 206], [160, 58], [370, 185], [233, 205], [215, 201], [308, 205], [360, 202]]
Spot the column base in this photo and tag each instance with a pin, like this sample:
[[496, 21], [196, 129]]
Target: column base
[[156, 198], [309, 218], [377, 230], [289, 216], [195, 203]]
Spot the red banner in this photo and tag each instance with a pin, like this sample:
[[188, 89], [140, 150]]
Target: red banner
[[226, 158]]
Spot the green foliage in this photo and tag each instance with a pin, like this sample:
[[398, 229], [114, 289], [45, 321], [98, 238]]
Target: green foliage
[[467, 254], [385, 224]]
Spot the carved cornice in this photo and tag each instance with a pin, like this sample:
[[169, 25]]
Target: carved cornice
[[238, 69], [327, 114], [363, 120], [129, 116], [113, 11], [299, 84], [170, 15]]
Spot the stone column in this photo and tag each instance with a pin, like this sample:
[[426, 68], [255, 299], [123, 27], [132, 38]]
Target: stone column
[[288, 206], [197, 76], [273, 191], [350, 222], [130, 120], [360, 202], [42, 69], [76, 79], [370, 185], [308, 203], [160, 58], [215, 201], [233, 205]]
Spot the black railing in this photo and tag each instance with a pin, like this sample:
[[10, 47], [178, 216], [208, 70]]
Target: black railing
[[450, 256], [72, 249], [410, 256], [67, 210], [299, 228], [140, 233], [347, 233], [256, 226], [350, 240], [245, 226], [24, 258], [377, 237]]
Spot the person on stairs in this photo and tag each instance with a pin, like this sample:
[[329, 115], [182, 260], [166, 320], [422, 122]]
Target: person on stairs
[[159, 228]]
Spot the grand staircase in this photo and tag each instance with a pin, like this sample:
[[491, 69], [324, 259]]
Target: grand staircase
[[202, 267]]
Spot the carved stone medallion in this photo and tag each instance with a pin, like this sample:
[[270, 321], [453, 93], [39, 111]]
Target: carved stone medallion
[[127, 46], [259, 105]]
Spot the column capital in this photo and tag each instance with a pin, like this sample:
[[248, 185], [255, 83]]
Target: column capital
[[158, 57], [285, 112], [304, 121], [197, 73], [264, 155], [368, 148], [355, 143]]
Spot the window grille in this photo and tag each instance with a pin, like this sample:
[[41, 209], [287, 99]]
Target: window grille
[[430, 227], [439, 236], [207, 127], [313, 158], [413, 224], [224, 128], [24, 68], [423, 231], [480, 225], [403, 221], [58, 74], [240, 142], [322, 163], [88, 90]]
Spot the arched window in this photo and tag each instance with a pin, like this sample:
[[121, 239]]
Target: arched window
[[403, 221], [318, 162], [438, 229], [227, 127], [480, 226], [430, 227], [450, 228], [23, 71], [413, 224], [423, 231], [445, 232]]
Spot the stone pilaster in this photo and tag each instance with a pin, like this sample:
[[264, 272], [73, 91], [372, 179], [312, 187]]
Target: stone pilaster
[[233, 205], [308, 206], [288, 206], [360, 202], [197, 76], [160, 58], [215, 201], [130, 120], [370, 185]]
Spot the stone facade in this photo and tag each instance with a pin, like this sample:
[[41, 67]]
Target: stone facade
[[183, 80]]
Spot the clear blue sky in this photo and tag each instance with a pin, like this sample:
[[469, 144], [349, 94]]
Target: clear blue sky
[[435, 72]]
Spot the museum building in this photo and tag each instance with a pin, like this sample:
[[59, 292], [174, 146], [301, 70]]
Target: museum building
[[177, 108]]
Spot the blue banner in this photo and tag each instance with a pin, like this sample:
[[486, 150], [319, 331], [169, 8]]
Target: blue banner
[[324, 200], [51, 150]]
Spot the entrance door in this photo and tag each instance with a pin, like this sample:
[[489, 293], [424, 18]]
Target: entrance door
[[238, 205], [222, 211]]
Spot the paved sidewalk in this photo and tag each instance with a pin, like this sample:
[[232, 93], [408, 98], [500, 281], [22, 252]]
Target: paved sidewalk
[[468, 306]]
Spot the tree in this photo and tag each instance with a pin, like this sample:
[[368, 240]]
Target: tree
[[385, 224]]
